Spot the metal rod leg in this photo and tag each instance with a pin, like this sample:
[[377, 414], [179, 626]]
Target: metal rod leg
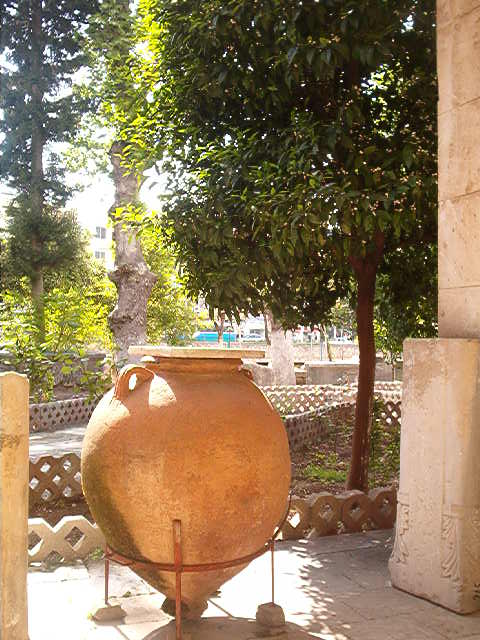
[[178, 605], [272, 548], [177, 546], [107, 577]]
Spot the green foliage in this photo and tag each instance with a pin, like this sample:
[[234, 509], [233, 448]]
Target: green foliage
[[75, 321], [384, 449], [170, 315], [297, 146], [58, 239], [327, 467], [406, 300], [37, 89], [41, 44], [343, 316]]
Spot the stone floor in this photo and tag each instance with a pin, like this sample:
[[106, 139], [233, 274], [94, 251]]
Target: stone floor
[[57, 443], [334, 588]]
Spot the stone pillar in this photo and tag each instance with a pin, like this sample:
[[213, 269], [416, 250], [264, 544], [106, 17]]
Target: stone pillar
[[14, 479], [459, 168], [437, 545]]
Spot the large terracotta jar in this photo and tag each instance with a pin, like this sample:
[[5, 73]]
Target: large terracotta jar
[[192, 439]]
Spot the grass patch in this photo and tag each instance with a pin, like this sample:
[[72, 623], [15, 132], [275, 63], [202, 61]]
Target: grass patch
[[316, 472]]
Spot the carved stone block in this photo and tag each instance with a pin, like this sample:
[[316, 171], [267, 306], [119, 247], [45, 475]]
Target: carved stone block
[[437, 547]]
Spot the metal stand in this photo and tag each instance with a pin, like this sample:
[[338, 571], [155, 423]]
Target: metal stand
[[179, 568]]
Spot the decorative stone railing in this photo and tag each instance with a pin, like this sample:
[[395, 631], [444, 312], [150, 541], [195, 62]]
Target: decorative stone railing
[[322, 514], [51, 416], [72, 538], [350, 512]]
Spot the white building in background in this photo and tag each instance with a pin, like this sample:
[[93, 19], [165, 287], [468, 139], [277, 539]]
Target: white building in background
[[101, 243], [92, 205]]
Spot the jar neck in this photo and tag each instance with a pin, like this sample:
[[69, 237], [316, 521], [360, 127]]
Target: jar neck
[[160, 365]]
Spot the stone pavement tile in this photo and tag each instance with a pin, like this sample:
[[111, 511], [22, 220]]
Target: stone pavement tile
[[389, 628], [140, 631], [143, 609], [450, 625], [384, 603], [322, 614], [76, 571], [230, 629], [368, 580], [341, 543], [57, 443], [122, 581]]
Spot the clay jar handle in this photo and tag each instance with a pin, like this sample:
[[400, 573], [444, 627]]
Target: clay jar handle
[[122, 388]]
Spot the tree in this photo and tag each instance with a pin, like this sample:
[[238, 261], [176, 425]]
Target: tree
[[406, 300], [42, 43], [300, 139], [113, 61], [77, 302], [170, 314]]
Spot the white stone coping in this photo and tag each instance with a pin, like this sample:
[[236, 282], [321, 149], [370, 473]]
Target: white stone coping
[[189, 352]]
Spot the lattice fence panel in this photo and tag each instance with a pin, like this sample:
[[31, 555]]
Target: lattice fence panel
[[54, 478], [392, 414], [73, 538], [294, 400]]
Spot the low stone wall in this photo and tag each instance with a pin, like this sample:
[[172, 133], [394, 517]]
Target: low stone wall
[[51, 416], [306, 428], [331, 372]]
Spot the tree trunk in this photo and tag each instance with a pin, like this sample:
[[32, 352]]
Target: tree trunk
[[37, 186], [132, 277], [366, 272], [327, 343], [220, 326], [38, 303], [281, 353], [267, 331]]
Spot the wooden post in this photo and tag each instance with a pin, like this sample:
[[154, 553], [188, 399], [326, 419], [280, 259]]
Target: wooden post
[[14, 479]]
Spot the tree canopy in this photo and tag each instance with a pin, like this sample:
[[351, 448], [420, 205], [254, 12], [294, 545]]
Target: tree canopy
[[300, 140]]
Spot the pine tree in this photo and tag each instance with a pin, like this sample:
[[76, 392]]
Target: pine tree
[[41, 43]]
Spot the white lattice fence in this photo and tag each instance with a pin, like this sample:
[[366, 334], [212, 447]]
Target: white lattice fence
[[297, 399], [392, 413], [73, 538], [327, 514], [293, 400], [53, 478]]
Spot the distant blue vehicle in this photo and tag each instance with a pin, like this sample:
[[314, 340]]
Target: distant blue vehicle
[[212, 336]]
